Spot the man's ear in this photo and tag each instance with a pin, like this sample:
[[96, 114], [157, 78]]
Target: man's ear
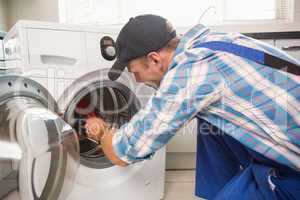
[[153, 58]]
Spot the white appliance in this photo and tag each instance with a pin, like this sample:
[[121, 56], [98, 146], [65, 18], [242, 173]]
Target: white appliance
[[2, 34], [72, 63]]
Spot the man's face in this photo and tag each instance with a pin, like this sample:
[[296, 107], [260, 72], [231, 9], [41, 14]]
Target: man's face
[[150, 69]]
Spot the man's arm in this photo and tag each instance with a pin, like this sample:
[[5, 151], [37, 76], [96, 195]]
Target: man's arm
[[107, 146], [191, 86]]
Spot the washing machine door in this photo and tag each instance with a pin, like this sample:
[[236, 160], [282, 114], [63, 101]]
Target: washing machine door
[[39, 152], [94, 94]]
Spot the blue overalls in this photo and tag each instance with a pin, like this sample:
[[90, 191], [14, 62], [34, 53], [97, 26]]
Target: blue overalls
[[226, 169]]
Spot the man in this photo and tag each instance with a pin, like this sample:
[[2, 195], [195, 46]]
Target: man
[[248, 108]]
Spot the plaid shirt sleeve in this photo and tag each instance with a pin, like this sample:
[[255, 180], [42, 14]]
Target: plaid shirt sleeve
[[184, 91]]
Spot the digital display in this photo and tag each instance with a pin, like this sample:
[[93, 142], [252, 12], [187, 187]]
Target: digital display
[[108, 42]]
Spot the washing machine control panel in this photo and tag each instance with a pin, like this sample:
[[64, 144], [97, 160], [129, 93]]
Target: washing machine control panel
[[108, 48]]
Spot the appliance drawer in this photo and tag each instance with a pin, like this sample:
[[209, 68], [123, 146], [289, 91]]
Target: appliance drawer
[[63, 51]]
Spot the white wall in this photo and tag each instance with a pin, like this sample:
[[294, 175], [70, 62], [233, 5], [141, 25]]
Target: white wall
[[3, 15], [44, 10], [48, 10], [292, 25]]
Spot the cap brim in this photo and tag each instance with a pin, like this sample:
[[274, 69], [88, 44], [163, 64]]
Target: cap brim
[[116, 70]]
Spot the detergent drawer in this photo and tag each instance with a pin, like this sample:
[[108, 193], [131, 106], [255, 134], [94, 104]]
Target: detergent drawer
[[61, 51]]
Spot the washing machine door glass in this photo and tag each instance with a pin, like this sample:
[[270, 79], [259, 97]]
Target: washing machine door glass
[[113, 102], [39, 152]]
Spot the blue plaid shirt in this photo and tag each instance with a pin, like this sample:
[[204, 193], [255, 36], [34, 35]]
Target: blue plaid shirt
[[253, 103]]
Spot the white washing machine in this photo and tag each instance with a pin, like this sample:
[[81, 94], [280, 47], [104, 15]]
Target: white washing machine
[[72, 63], [2, 34]]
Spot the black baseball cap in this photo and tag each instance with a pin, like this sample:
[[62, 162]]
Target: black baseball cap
[[140, 36]]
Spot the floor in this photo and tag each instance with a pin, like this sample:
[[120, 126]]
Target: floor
[[180, 185]]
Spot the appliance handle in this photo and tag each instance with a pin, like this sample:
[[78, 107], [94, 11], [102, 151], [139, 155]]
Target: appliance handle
[[58, 166], [57, 60], [291, 48]]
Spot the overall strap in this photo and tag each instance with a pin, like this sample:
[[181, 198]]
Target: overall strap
[[254, 55]]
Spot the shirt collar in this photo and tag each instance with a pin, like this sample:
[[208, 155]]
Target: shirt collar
[[187, 39], [189, 36]]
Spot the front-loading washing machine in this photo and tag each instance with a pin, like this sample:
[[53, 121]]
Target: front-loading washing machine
[[116, 102], [39, 152], [72, 63]]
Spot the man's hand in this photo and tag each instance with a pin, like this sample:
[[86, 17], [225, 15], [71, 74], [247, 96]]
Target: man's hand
[[95, 128], [98, 129]]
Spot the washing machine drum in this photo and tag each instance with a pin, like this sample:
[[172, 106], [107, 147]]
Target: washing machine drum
[[39, 152], [113, 102], [93, 94]]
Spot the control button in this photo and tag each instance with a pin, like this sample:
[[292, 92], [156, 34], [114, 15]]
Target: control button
[[108, 48], [111, 51]]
